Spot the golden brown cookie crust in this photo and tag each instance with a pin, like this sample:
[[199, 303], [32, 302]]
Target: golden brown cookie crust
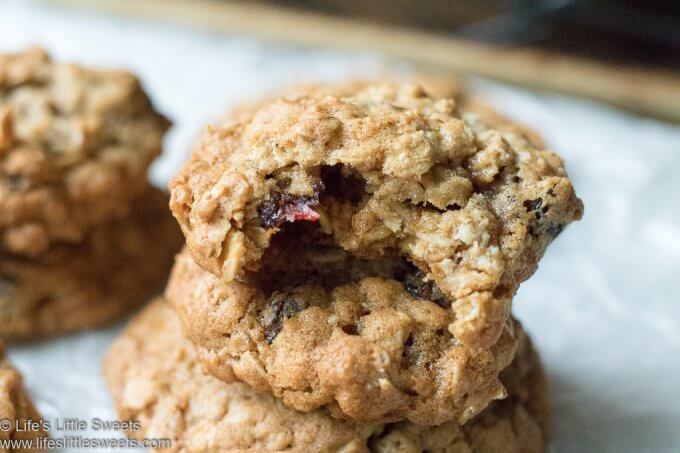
[[471, 106], [75, 145], [81, 286], [15, 405], [385, 171], [365, 348], [155, 378]]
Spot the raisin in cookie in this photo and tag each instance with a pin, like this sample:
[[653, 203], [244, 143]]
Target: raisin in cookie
[[79, 286], [15, 407], [155, 378], [386, 172], [75, 145], [367, 339]]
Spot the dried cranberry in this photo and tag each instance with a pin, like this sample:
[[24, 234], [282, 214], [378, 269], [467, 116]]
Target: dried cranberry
[[283, 207], [535, 207], [281, 306], [427, 290]]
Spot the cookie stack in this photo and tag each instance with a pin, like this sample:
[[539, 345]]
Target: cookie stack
[[351, 259], [83, 235]]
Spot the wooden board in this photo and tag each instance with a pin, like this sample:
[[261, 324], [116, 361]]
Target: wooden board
[[651, 92]]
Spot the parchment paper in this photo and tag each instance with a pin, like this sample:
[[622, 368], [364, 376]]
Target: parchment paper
[[603, 308]]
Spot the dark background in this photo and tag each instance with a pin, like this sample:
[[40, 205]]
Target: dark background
[[618, 31]]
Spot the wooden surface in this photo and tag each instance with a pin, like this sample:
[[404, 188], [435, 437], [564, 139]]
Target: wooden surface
[[443, 15], [651, 92]]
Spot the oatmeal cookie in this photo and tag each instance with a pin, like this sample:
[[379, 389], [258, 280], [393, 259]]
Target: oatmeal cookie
[[367, 339], [75, 145], [472, 107], [385, 172], [155, 378], [79, 286], [15, 406]]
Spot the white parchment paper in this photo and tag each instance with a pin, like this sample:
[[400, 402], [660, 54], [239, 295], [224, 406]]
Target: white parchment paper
[[603, 308]]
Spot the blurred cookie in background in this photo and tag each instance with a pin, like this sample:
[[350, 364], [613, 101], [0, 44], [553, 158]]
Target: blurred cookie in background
[[80, 286], [75, 146], [83, 235]]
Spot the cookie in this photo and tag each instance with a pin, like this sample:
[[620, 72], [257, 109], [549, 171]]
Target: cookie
[[16, 407], [365, 346], [386, 173], [80, 286], [471, 106], [155, 378], [75, 146]]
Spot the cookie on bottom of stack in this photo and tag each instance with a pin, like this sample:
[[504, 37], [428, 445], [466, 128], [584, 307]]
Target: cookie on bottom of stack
[[155, 378], [79, 286], [15, 407]]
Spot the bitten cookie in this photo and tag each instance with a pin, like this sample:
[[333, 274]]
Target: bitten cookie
[[75, 145], [72, 287], [15, 407], [347, 336], [156, 379], [385, 173]]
